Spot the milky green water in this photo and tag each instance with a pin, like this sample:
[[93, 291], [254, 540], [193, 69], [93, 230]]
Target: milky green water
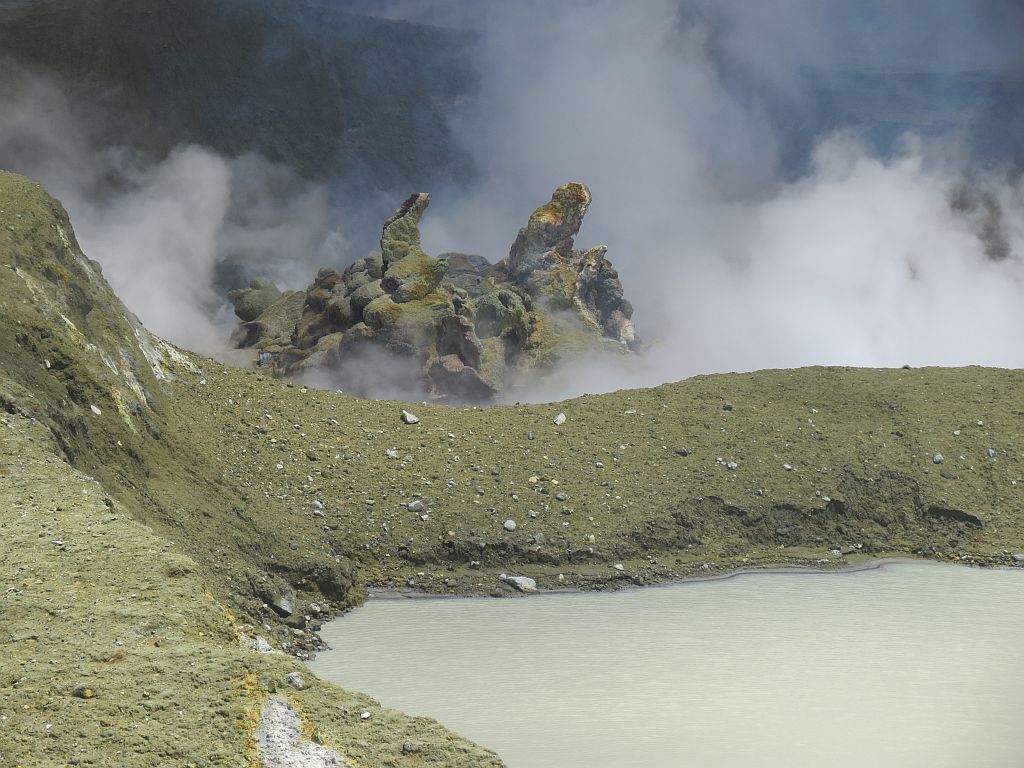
[[908, 665]]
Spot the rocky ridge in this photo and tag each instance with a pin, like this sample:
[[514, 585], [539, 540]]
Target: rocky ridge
[[464, 328]]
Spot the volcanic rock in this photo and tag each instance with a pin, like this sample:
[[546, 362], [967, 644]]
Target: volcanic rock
[[253, 301], [551, 229], [467, 328]]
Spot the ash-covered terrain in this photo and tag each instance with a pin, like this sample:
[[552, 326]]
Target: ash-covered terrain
[[176, 529]]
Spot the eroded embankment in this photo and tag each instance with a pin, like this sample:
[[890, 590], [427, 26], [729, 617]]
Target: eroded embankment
[[114, 652]]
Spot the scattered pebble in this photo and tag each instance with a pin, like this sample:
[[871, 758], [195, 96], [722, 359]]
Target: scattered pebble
[[392, 453], [937, 458], [727, 407], [732, 465], [509, 525], [415, 506], [599, 464], [95, 410], [559, 419], [409, 418], [561, 496], [619, 567], [318, 506], [84, 692], [364, 715], [295, 681], [787, 467], [991, 453]]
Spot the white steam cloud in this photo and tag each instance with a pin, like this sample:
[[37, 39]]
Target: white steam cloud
[[858, 260], [161, 229]]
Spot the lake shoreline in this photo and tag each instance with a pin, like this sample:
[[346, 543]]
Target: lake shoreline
[[873, 564]]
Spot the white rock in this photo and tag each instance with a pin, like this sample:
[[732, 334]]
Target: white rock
[[364, 715], [559, 419], [991, 453], [522, 583], [415, 506], [392, 453], [619, 567], [409, 418], [280, 740], [937, 458], [509, 525], [95, 410], [296, 681]]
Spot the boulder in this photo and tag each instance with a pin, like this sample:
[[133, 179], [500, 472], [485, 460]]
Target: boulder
[[450, 376], [251, 302], [522, 583], [281, 598]]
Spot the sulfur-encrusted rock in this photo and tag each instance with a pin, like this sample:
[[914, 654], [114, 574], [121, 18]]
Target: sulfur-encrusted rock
[[467, 327], [251, 302], [551, 229]]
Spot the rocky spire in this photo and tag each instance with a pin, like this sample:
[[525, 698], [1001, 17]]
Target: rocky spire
[[552, 227]]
